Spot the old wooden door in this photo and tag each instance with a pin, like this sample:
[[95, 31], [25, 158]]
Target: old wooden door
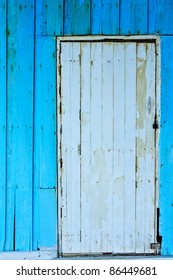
[[106, 147]]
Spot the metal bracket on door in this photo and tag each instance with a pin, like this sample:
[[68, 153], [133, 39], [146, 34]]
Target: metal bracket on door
[[157, 245]]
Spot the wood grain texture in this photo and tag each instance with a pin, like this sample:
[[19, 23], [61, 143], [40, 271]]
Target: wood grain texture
[[160, 17], [49, 16], [77, 17], [47, 219], [133, 17], [105, 17], [20, 75], [118, 153], [44, 130]]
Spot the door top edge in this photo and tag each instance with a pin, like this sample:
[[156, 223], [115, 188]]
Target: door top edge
[[97, 38]]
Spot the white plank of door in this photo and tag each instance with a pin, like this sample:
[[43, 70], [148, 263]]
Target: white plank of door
[[64, 134], [96, 148], [150, 149], [130, 145], [118, 135], [107, 145], [141, 148], [86, 191], [73, 194]]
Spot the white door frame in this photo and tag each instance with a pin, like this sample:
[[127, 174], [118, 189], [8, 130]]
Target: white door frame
[[140, 38]]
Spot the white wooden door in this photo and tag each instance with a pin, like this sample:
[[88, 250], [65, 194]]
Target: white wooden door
[[106, 147]]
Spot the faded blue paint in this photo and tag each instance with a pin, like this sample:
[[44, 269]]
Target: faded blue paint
[[160, 17], [44, 134], [28, 205], [105, 17], [81, 17], [133, 17], [48, 219], [2, 121], [77, 17], [20, 77], [166, 146]]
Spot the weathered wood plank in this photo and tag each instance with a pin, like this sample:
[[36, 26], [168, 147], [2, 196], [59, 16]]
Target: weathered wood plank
[[130, 146], [133, 17], [105, 17], [85, 148], [107, 145], [2, 122], [64, 138], [20, 125], [160, 17], [141, 148], [47, 219], [96, 147], [119, 158], [71, 146], [44, 127], [77, 17], [73, 192], [51, 17], [151, 149]]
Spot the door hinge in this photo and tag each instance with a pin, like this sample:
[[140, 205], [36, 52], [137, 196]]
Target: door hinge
[[79, 149], [80, 114], [61, 163], [155, 124], [157, 244]]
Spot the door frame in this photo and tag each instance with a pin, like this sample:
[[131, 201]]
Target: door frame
[[132, 38]]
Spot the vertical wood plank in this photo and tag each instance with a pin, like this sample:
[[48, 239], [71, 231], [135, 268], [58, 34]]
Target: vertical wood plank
[[20, 125], [130, 139], [85, 148], [47, 219], [77, 17], [74, 182], [166, 148], [119, 157], [71, 146], [2, 122], [96, 147], [105, 17], [160, 17], [107, 145], [44, 131], [64, 143], [150, 149], [52, 16], [133, 17], [141, 201]]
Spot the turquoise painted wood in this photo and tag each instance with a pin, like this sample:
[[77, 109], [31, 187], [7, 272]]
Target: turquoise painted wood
[[48, 218], [44, 136], [20, 76], [77, 17], [45, 114], [2, 122], [166, 146], [105, 17], [160, 17], [51, 17], [133, 17]]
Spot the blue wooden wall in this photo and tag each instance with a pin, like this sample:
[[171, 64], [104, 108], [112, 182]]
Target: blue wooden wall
[[28, 175]]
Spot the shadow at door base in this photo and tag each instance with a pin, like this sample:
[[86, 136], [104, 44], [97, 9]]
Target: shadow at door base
[[109, 256]]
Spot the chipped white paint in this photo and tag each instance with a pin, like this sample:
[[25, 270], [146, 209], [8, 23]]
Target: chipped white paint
[[106, 184]]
